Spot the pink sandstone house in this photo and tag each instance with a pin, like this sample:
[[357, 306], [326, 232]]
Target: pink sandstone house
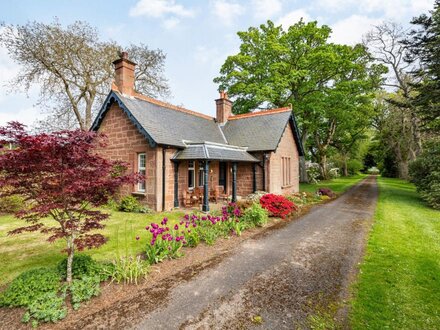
[[179, 150]]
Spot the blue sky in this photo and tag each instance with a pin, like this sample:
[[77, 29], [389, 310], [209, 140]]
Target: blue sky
[[196, 35]]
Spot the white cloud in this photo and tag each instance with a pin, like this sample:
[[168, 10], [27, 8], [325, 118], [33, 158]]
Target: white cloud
[[25, 116], [266, 8], [171, 23], [388, 9], [351, 29], [227, 11], [293, 17], [160, 8]]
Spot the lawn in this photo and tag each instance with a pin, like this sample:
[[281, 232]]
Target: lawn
[[29, 250], [399, 281], [338, 185]]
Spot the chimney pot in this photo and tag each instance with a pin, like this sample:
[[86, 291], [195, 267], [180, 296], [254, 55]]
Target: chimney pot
[[124, 55]]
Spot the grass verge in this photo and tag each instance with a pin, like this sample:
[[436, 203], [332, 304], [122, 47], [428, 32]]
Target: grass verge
[[30, 250], [338, 185], [399, 280]]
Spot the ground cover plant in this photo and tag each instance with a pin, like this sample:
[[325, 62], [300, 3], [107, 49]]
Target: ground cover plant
[[399, 284]]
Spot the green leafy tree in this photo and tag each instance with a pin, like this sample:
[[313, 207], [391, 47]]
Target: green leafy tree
[[424, 46], [326, 83]]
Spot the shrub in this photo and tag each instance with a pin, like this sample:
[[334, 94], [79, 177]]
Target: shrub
[[313, 173], [354, 166], [373, 170], [277, 205], [49, 307], [11, 204], [425, 174], [29, 286], [131, 204], [256, 215], [128, 270], [326, 192], [334, 173], [84, 289], [244, 204], [83, 265]]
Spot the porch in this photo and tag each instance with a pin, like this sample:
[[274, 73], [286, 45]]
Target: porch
[[218, 175]]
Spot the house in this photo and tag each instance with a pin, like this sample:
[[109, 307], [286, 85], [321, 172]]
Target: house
[[179, 150]]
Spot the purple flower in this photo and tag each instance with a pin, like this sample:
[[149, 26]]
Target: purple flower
[[189, 230], [137, 238], [176, 227], [170, 238], [154, 225], [164, 221], [186, 216], [178, 239], [152, 242], [148, 227], [203, 218]]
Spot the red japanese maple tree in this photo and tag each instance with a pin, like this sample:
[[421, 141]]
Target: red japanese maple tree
[[61, 176]]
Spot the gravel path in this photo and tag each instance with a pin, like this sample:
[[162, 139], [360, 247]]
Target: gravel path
[[299, 270]]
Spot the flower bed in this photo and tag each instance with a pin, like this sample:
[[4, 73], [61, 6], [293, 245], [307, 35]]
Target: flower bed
[[277, 205]]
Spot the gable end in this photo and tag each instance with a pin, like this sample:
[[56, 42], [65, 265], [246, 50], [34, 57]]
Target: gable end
[[112, 98]]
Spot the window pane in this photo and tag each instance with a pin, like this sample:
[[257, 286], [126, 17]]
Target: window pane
[[190, 178]]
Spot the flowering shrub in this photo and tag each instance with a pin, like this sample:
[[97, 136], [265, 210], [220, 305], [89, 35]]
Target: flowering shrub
[[277, 205], [326, 192]]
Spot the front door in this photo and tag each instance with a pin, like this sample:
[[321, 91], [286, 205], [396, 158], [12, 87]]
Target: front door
[[222, 179]]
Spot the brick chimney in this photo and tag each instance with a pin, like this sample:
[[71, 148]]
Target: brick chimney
[[124, 74], [224, 108]]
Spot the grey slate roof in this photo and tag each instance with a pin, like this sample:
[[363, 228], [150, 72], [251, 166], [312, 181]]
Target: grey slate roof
[[210, 151], [166, 126], [257, 133]]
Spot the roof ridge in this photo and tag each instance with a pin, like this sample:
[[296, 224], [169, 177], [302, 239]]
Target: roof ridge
[[165, 104], [171, 106], [260, 113]]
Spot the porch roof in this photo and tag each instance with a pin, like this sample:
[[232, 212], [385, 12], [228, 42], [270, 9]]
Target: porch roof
[[214, 151]]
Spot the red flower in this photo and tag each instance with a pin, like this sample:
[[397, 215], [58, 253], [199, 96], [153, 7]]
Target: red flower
[[277, 205]]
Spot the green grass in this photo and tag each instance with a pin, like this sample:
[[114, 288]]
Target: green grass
[[399, 280], [30, 250], [338, 185]]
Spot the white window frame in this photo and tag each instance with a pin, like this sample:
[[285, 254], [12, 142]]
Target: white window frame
[[202, 176], [191, 167], [142, 169]]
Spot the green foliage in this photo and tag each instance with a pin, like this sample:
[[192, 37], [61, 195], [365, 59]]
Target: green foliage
[[84, 289], [11, 204], [330, 85], [128, 269], [83, 265], [29, 286], [425, 173], [256, 215], [131, 204], [49, 307], [354, 166]]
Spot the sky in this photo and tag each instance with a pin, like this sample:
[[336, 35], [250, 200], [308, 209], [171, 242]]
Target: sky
[[196, 35]]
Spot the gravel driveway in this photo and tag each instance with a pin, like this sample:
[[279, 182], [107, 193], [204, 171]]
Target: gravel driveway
[[281, 278]]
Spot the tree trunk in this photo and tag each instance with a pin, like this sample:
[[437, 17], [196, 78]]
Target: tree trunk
[[323, 166], [70, 252], [302, 170], [402, 168], [345, 167]]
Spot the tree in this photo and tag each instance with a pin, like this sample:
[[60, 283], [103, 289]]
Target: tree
[[385, 43], [74, 68], [424, 47], [60, 176], [326, 83]]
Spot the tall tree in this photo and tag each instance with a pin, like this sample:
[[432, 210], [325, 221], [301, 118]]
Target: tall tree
[[74, 68], [324, 82], [61, 177], [424, 46], [385, 43]]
